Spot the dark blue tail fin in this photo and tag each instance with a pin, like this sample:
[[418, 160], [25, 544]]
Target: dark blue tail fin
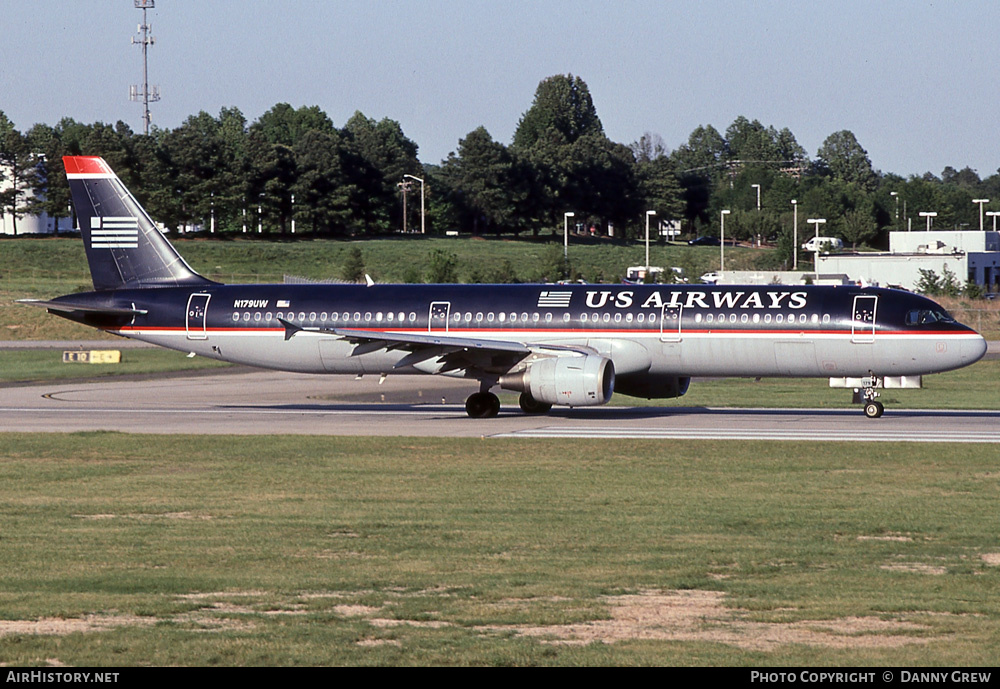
[[124, 247]]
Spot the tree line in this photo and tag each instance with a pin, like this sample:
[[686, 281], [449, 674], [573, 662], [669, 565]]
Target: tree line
[[295, 168]]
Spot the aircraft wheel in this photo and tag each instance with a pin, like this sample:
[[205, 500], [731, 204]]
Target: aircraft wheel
[[482, 405], [873, 410], [529, 405]]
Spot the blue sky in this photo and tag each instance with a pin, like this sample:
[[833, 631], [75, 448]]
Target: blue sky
[[915, 81]]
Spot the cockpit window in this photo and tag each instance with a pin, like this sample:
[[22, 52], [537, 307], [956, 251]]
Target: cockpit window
[[928, 317]]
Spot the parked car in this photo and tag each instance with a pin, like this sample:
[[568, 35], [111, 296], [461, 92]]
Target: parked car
[[704, 240]]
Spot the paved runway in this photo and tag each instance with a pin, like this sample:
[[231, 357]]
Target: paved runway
[[263, 402]]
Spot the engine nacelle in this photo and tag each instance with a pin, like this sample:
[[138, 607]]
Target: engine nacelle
[[576, 381], [652, 387]]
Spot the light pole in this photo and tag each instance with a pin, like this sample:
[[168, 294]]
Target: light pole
[[795, 234], [260, 214], [993, 214], [423, 227], [566, 216], [757, 187], [895, 195], [929, 215], [722, 240], [404, 186], [817, 222], [648, 213], [293, 213], [981, 202]]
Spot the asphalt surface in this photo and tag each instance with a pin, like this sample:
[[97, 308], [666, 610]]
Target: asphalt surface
[[250, 402]]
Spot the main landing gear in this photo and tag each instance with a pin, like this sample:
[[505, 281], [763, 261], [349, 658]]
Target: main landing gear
[[529, 405], [482, 405]]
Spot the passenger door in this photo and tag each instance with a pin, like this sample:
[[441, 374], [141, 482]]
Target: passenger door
[[863, 320], [195, 320]]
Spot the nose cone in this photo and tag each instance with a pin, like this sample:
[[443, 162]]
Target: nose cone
[[973, 349]]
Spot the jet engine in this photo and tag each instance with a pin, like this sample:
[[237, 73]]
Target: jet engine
[[573, 380], [652, 386]]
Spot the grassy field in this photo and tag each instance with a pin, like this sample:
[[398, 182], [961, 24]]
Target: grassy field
[[139, 550], [126, 550], [44, 365]]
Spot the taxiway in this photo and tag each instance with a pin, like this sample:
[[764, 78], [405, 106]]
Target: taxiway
[[249, 402]]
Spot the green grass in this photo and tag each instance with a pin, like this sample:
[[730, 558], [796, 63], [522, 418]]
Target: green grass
[[45, 365], [364, 551]]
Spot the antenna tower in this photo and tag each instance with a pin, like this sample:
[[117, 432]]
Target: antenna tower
[[144, 93]]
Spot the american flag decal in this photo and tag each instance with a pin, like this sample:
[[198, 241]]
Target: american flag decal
[[554, 300], [114, 233]]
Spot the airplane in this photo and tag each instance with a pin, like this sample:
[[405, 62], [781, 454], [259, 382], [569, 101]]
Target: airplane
[[573, 345]]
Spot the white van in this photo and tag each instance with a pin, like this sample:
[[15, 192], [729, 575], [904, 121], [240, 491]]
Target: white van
[[824, 244]]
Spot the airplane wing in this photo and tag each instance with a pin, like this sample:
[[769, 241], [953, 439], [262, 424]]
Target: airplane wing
[[454, 353], [65, 306]]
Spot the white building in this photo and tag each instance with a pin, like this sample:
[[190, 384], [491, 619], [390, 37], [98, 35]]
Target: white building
[[26, 224], [969, 255]]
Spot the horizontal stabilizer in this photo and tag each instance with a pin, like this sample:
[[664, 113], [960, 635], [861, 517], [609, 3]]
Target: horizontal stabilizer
[[64, 306]]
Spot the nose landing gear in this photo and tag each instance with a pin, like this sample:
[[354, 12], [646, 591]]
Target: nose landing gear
[[873, 408]]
